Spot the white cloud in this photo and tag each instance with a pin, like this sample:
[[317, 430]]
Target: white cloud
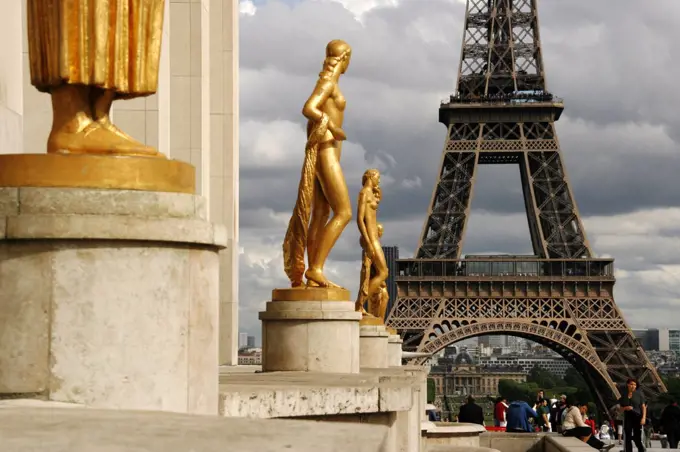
[[359, 7], [247, 7]]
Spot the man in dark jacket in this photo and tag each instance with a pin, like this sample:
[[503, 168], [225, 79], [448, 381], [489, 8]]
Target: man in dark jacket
[[670, 423], [471, 412]]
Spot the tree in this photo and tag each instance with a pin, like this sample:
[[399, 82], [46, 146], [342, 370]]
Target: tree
[[512, 390], [431, 390], [544, 379]]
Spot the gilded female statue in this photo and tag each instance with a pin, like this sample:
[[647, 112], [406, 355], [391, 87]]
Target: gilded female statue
[[322, 185], [86, 54], [374, 268]]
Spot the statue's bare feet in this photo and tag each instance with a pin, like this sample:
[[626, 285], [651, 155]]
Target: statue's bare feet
[[139, 148], [315, 276]]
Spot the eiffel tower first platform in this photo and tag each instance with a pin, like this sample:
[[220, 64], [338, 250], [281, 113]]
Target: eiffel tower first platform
[[562, 296]]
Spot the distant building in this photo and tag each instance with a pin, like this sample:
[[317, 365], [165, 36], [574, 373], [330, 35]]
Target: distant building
[[391, 255], [242, 340], [477, 381], [669, 340], [648, 338], [251, 342], [251, 357], [493, 341], [663, 340], [674, 341], [555, 365]]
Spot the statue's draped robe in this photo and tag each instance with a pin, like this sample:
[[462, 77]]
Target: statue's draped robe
[[111, 44]]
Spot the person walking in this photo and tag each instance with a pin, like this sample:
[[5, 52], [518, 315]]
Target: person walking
[[634, 408], [670, 423]]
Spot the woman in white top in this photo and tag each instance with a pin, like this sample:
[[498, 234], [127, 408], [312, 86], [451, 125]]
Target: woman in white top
[[573, 425]]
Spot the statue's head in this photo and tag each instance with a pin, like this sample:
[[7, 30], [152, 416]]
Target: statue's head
[[380, 230], [373, 176], [338, 55]]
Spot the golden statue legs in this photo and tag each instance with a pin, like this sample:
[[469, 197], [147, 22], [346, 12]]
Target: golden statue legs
[[330, 194], [81, 124], [379, 275]]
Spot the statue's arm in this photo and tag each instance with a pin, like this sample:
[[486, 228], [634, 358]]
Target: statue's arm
[[312, 109]]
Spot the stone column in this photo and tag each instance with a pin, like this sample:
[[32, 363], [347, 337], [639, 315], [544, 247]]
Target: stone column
[[224, 174], [109, 297]]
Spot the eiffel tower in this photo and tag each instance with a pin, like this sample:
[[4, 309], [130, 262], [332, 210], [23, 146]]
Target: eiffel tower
[[562, 295]]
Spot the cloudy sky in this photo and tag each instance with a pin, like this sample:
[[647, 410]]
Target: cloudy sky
[[612, 61]]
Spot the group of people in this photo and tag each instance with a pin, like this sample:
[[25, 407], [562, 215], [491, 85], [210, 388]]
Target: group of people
[[570, 418]]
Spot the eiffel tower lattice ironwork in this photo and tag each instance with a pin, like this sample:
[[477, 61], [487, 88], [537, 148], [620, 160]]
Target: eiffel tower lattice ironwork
[[562, 296]]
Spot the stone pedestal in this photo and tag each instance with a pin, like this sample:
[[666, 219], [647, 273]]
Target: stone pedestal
[[303, 334], [109, 298], [373, 343], [394, 343]]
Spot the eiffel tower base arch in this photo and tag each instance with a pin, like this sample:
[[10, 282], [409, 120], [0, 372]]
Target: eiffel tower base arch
[[577, 352]]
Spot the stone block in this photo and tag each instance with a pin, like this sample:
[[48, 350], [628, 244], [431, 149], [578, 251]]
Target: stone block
[[373, 342], [74, 201], [394, 352], [297, 394], [9, 201], [452, 434]]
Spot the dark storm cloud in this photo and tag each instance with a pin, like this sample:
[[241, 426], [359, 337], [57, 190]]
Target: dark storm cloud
[[612, 65]]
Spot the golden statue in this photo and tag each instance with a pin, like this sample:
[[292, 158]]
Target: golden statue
[[86, 54], [374, 271], [322, 186]]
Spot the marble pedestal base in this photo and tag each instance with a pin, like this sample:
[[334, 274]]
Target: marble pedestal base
[[394, 343], [373, 343], [109, 298], [314, 336]]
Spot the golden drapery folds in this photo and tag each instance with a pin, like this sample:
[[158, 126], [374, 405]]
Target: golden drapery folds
[[86, 54], [295, 241], [111, 44]]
